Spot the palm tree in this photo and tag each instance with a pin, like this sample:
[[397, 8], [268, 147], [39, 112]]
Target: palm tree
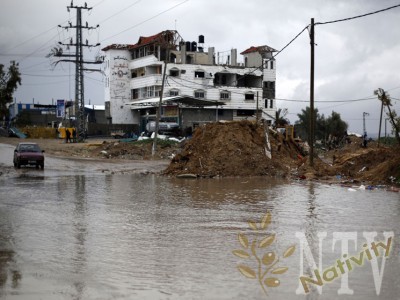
[[384, 97], [280, 119]]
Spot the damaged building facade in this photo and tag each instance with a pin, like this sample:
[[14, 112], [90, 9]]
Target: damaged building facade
[[201, 85]]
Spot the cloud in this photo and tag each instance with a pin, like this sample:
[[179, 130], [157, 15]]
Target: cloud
[[352, 58]]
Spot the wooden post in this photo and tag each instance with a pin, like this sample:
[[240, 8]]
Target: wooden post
[[154, 148], [312, 116]]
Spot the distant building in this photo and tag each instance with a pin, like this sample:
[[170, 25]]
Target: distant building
[[96, 114], [201, 86], [32, 114]]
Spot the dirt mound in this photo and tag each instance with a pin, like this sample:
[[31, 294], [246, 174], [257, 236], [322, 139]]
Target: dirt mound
[[239, 149], [135, 150], [374, 165], [233, 149]]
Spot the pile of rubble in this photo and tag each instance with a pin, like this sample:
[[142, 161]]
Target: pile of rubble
[[134, 150], [372, 165], [234, 149], [241, 149]]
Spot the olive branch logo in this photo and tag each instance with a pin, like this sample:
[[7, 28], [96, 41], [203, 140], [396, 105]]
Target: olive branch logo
[[266, 264]]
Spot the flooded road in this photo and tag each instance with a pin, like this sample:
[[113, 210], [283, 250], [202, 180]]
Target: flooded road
[[75, 231]]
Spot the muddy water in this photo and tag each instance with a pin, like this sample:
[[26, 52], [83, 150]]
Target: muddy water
[[74, 234]]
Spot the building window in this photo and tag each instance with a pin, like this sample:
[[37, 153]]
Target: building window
[[173, 93], [223, 79], [224, 95], [272, 64], [269, 84], [135, 94], [265, 103], [199, 94], [271, 105], [245, 113], [174, 72], [249, 96], [199, 74], [150, 91]]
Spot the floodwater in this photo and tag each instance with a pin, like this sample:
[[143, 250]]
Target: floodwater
[[74, 231]]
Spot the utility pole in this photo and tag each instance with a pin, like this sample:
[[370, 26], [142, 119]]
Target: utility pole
[[364, 128], [380, 125], [385, 129], [312, 114], [158, 115], [79, 103], [167, 42], [257, 118]]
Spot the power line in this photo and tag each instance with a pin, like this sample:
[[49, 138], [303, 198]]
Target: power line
[[45, 83], [262, 65], [28, 40], [37, 36], [328, 101], [37, 75], [356, 17], [140, 23], [207, 86], [292, 40], [120, 11]]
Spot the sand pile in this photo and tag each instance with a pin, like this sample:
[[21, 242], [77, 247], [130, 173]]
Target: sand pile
[[233, 149], [375, 165]]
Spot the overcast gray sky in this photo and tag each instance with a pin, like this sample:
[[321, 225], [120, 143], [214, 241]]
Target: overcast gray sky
[[352, 59]]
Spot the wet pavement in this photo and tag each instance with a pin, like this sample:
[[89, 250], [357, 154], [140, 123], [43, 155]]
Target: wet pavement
[[77, 231]]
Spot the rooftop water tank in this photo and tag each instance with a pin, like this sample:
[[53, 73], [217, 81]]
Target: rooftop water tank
[[194, 46], [201, 39]]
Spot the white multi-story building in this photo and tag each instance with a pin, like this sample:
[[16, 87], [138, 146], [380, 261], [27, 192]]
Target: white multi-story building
[[200, 86]]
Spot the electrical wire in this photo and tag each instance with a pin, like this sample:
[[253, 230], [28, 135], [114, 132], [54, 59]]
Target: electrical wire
[[273, 57], [208, 86], [359, 16], [328, 101], [45, 83], [140, 23], [291, 40], [120, 11], [37, 75], [26, 41]]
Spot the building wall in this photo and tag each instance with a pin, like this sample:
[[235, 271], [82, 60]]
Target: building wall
[[187, 84], [253, 60], [148, 72], [117, 89]]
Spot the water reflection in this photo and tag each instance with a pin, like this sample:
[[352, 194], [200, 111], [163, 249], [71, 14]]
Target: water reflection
[[80, 233], [311, 227], [150, 237], [9, 271]]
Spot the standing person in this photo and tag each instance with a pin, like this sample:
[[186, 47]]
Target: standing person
[[67, 135], [74, 135], [365, 141]]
